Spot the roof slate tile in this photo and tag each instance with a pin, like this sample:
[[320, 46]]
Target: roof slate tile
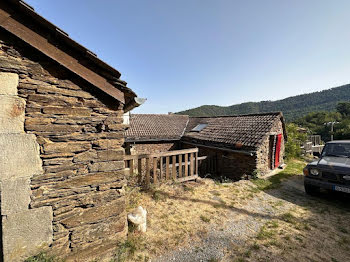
[[241, 131], [146, 127]]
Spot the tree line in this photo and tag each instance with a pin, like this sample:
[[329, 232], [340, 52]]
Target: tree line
[[292, 107], [320, 122]]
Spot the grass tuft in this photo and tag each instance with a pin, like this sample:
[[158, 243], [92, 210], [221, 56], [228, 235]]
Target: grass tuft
[[126, 250], [293, 168], [205, 219], [42, 257], [266, 233], [289, 218]]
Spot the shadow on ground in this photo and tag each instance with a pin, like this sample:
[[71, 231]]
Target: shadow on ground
[[293, 191]]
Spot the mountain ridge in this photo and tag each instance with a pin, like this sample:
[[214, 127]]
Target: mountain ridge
[[293, 107]]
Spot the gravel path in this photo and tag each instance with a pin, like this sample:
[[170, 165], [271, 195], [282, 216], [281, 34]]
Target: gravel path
[[242, 224]]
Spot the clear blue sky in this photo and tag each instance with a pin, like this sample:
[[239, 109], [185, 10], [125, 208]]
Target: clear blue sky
[[181, 54]]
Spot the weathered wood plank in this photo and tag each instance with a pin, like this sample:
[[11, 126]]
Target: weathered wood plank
[[155, 162], [131, 166], [176, 152], [43, 45], [148, 172], [173, 172], [168, 153], [167, 168], [186, 165], [191, 165], [180, 165], [161, 168], [196, 163], [139, 170], [188, 178]]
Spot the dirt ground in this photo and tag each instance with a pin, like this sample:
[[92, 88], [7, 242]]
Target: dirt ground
[[261, 220]]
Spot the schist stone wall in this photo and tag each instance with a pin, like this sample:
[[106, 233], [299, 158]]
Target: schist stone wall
[[61, 163], [263, 160]]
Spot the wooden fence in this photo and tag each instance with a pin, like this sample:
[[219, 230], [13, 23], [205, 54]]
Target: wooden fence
[[178, 165]]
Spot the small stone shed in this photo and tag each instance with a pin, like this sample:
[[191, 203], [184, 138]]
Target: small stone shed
[[234, 145], [62, 173]]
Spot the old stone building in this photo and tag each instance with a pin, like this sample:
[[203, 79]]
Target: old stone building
[[62, 172], [154, 133], [235, 146]]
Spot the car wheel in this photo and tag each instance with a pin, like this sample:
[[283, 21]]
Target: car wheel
[[311, 190]]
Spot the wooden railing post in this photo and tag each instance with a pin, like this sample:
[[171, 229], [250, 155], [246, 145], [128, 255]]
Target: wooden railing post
[[167, 168], [191, 165], [131, 167], [148, 172], [155, 160], [180, 165], [174, 167], [161, 168], [186, 165], [196, 163], [139, 170]]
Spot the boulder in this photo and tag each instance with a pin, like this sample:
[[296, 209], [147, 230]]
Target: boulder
[[139, 218]]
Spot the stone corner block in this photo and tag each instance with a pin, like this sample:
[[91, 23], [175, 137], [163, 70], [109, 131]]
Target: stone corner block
[[8, 83], [11, 126], [15, 195], [19, 156], [12, 111], [26, 233]]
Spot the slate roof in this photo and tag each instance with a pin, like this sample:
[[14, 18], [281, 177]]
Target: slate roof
[[235, 132], [155, 127], [244, 132]]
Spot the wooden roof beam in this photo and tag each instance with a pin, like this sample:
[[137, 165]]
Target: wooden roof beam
[[40, 43]]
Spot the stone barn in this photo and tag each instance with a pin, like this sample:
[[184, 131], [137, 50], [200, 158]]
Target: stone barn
[[62, 172], [240, 145], [235, 146]]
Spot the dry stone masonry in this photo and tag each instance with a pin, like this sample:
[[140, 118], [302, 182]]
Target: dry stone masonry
[[61, 167]]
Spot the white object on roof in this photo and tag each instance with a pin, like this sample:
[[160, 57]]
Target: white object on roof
[[199, 127]]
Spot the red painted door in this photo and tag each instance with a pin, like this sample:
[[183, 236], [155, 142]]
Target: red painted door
[[278, 150]]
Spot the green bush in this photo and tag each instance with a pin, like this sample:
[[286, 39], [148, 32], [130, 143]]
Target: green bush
[[295, 140]]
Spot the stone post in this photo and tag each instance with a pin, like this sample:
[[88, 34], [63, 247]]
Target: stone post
[[24, 231]]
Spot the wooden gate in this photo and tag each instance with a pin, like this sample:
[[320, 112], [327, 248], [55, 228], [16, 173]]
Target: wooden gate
[[179, 165]]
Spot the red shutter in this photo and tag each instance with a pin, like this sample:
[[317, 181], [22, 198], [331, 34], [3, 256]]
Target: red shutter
[[278, 150]]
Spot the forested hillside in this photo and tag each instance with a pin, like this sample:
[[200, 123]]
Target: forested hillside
[[292, 107]]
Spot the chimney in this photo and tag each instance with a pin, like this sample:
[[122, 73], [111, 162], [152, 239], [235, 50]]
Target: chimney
[[126, 118]]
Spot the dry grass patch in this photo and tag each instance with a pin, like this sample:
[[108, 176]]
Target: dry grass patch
[[180, 213], [303, 233]]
